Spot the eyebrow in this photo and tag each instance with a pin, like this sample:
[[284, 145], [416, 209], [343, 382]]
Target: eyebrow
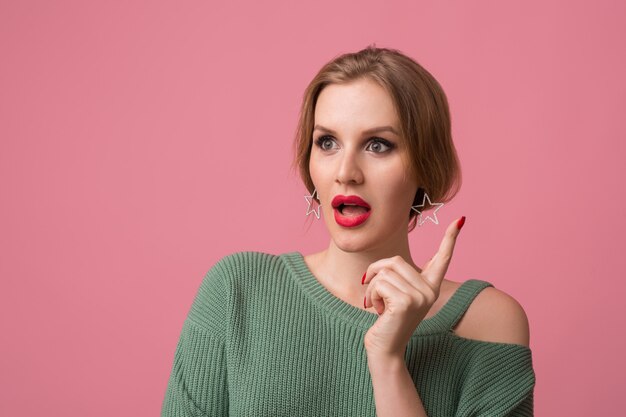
[[367, 132]]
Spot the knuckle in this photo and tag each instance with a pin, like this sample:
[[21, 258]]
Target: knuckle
[[384, 272], [430, 297], [382, 284], [431, 294], [419, 298], [405, 301]]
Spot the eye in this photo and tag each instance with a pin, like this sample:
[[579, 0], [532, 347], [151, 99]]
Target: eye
[[380, 145], [323, 141]]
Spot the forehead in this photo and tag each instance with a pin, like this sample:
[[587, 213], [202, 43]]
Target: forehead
[[358, 104]]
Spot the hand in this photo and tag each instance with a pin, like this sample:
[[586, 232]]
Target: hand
[[402, 296]]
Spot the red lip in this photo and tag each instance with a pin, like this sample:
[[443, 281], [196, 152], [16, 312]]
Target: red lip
[[346, 221], [351, 199]]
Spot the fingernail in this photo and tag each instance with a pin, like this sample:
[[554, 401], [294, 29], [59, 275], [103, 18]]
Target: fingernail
[[363, 279], [364, 303], [460, 223]]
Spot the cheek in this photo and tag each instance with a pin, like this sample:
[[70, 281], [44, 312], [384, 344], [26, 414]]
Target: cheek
[[319, 173], [397, 193], [313, 167], [313, 170]]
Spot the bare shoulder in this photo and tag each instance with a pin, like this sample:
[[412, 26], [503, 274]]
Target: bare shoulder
[[495, 316]]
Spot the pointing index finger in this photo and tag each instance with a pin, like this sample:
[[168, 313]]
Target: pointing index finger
[[438, 266]]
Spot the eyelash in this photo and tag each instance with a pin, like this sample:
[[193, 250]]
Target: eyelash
[[320, 141]]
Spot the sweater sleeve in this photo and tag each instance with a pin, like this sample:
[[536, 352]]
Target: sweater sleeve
[[525, 408], [197, 385], [500, 382]]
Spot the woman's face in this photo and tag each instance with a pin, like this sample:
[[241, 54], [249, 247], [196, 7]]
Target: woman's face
[[349, 158]]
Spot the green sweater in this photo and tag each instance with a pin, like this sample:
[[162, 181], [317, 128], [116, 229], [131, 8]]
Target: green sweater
[[264, 338]]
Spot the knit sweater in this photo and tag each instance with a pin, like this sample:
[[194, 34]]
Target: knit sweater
[[264, 338]]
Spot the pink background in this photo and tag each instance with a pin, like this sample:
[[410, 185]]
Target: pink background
[[142, 141]]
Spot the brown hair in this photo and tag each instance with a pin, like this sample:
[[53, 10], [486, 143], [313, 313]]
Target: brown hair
[[422, 109]]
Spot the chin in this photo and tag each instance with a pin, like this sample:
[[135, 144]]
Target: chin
[[354, 243], [351, 248], [350, 244]]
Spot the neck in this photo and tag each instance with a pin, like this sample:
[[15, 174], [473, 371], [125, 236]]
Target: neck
[[342, 270]]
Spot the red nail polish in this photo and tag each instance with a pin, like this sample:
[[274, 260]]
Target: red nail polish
[[363, 279], [460, 223], [364, 303]]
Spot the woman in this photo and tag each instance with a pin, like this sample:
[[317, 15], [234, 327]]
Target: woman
[[358, 329]]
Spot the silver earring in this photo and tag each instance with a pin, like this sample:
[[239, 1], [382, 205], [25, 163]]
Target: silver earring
[[309, 200], [423, 220]]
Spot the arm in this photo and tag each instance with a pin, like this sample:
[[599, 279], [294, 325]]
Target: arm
[[401, 296], [198, 384], [524, 409], [500, 378], [394, 390]]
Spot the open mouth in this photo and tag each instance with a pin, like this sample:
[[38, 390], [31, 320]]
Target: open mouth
[[352, 210]]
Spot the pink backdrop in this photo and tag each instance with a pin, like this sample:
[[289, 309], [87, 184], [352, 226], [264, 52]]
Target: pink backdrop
[[142, 141]]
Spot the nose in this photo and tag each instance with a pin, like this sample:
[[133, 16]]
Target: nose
[[349, 170]]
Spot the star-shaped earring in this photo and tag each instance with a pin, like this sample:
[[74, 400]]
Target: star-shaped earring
[[309, 199], [423, 220]]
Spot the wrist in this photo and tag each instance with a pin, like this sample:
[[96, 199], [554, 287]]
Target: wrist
[[383, 355], [385, 362]]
